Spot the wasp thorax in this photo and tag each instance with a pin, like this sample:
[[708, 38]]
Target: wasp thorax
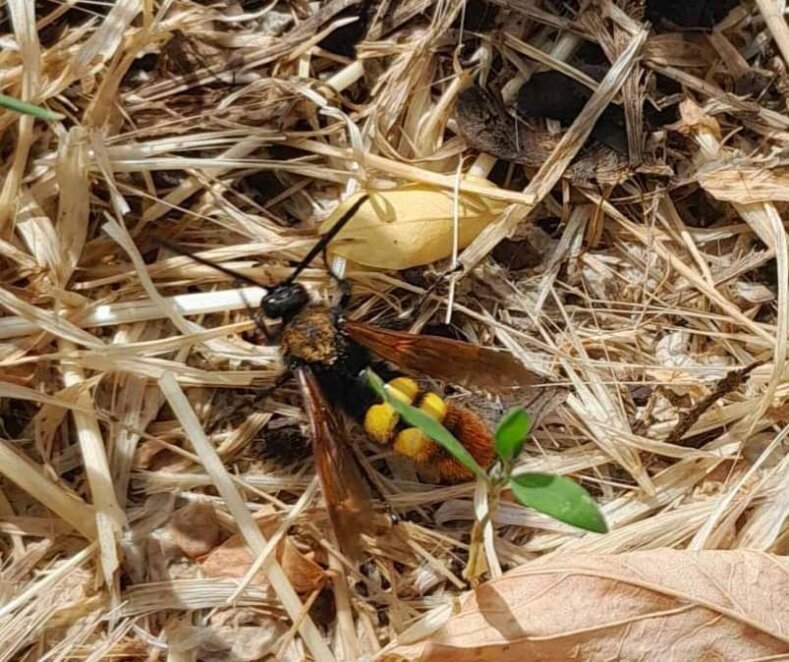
[[311, 336], [284, 301]]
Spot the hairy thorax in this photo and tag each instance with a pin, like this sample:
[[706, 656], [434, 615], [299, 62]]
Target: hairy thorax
[[312, 337]]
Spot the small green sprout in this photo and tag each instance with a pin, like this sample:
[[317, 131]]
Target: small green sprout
[[555, 496], [511, 434], [560, 498]]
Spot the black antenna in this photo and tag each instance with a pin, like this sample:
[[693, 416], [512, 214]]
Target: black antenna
[[175, 248], [301, 266], [325, 239]]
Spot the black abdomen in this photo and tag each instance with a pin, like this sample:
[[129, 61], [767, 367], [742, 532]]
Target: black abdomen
[[343, 382]]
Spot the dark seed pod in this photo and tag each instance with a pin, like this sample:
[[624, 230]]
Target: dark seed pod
[[516, 254], [476, 16], [444, 331], [485, 125], [668, 14], [342, 41], [683, 13], [552, 95], [611, 129]]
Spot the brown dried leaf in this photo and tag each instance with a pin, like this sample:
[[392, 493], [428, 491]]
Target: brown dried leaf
[[145, 453], [151, 455], [678, 50], [721, 605], [488, 128], [195, 529], [19, 374], [232, 559]]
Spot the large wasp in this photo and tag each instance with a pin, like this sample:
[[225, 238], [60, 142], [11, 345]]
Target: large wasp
[[328, 353]]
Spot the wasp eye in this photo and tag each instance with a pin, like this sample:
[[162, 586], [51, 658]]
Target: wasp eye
[[284, 301]]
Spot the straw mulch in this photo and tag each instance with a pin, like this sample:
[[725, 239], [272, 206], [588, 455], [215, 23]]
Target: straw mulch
[[144, 516]]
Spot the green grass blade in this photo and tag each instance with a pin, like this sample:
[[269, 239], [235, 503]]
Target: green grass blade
[[28, 109], [560, 498]]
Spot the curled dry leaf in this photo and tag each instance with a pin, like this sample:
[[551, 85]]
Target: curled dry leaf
[[753, 292], [232, 559], [695, 119], [709, 605], [487, 127], [410, 225]]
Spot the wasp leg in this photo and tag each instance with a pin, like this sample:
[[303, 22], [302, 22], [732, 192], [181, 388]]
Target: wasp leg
[[259, 318], [250, 402], [345, 294]]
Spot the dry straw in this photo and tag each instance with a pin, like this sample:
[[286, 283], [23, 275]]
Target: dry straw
[[235, 131]]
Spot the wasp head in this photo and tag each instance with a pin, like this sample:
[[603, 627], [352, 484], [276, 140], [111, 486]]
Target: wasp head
[[284, 301]]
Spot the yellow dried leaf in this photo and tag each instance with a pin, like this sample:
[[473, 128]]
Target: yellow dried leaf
[[410, 225]]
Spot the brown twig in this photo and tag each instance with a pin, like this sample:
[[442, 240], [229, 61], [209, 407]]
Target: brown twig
[[688, 418]]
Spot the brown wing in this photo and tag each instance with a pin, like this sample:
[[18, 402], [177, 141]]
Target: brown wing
[[446, 359], [344, 489]]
